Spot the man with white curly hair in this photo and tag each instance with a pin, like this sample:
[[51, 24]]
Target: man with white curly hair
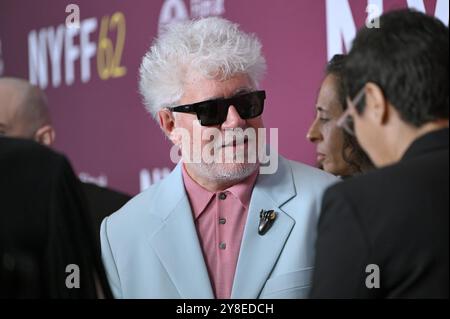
[[216, 227]]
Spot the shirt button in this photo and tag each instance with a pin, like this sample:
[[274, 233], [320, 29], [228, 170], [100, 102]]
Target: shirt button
[[222, 246], [222, 221], [222, 196]]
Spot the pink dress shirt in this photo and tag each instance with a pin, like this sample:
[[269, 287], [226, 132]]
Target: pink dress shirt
[[220, 219]]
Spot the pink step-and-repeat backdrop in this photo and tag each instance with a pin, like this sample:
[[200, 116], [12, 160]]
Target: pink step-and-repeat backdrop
[[90, 73]]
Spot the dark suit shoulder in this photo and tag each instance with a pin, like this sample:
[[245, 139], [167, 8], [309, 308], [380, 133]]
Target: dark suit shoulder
[[20, 152], [402, 211], [414, 174]]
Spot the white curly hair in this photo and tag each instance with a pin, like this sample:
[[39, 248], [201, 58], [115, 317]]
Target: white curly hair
[[213, 47]]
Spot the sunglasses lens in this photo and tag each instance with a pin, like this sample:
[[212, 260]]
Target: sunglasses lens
[[212, 113], [215, 112], [249, 105]]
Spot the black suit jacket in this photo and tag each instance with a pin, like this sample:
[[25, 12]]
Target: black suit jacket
[[44, 226], [396, 218], [102, 202]]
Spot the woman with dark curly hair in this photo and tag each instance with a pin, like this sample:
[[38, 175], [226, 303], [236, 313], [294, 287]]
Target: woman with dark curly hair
[[338, 152]]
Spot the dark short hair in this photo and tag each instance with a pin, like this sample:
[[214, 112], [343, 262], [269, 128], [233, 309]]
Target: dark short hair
[[407, 57], [335, 67], [357, 158]]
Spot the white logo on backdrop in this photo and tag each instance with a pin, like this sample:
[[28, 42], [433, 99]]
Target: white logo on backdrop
[[101, 180], [177, 11], [55, 52], [57, 45], [148, 178], [341, 27], [206, 8]]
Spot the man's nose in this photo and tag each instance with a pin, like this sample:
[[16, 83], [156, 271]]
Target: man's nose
[[233, 119]]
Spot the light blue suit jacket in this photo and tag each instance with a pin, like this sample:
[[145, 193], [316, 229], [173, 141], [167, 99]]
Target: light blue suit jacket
[[150, 247]]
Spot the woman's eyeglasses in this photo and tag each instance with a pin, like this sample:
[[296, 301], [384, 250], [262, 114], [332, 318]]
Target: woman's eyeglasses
[[346, 121]]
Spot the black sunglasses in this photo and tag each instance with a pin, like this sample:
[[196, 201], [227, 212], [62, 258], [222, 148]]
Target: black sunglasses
[[214, 112]]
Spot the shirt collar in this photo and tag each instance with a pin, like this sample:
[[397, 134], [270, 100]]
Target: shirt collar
[[243, 190], [200, 197]]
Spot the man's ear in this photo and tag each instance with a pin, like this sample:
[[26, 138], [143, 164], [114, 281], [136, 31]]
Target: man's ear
[[45, 135], [377, 107], [167, 124]]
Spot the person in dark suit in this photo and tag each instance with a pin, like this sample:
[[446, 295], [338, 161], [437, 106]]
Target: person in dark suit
[[102, 202], [24, 114], [47, 240], [385, 234]]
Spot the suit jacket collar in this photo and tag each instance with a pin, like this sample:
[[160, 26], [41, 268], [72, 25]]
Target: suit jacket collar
[[199, 197], [433, 141], [259, 254], [176, 242]]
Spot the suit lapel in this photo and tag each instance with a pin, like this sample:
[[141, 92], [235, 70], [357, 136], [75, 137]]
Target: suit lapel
[[176, 242], [259, 254]]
